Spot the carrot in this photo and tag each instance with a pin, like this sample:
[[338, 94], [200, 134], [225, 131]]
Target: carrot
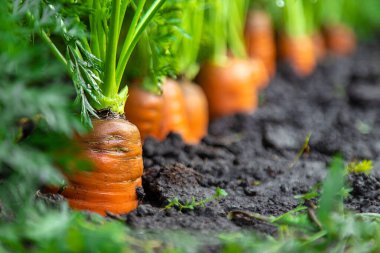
[[300, 53], [259, 73], [114, 148], [228, 87], [145, 110], [340, 39], [296, 45], [97, 65], [319, 45], [174, 113], [196, 110], [259, 39]]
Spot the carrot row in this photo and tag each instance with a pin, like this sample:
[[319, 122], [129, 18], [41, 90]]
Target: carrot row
[[182, 108]]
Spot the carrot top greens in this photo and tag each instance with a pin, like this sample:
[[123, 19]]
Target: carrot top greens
[[97, 60], [294, 18], [224, 26], [187, 46]]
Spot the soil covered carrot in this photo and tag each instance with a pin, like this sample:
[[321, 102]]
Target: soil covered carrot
[[259, 39], [97, 66]]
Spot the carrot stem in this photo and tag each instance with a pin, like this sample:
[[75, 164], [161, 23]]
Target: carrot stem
[[110, 87], [54, 49]]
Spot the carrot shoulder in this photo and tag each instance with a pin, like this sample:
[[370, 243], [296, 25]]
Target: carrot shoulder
[[228, 87], [174, 111], [196, 110], [145, 110], [300, 53]]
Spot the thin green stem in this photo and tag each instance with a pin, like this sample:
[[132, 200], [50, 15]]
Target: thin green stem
[[219, 19], [128, 40], [94, 32], [294, 18], [110, 87], [123, 9], [238, 10], [128, 48], [188, 46], [54, 49]]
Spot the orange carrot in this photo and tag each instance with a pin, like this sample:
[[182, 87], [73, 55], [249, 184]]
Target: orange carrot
[[197, 111], [145, 110], [299, 52], [340, 39], [229, 87], [174, 113], [319, 45], [114, 148], [260, 74], [259, 39]]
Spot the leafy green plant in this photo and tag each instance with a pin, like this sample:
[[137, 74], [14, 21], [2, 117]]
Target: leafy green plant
[[223, 30], [96, 63], [194, 203]]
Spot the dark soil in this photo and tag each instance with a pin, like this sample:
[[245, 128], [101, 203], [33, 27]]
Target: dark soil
[[252, 157]]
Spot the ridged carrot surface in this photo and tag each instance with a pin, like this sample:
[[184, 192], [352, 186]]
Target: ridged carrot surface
[[114, 149]]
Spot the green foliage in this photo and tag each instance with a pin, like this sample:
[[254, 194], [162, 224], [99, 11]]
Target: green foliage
[[193, 203], [294, 18], [156, 48], [364, 166], [224, 23]]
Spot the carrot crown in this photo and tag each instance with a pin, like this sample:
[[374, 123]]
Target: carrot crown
[[98, 61]]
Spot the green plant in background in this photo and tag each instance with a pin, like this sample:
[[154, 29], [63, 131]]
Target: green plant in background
[[156, 48], [223, 30], [312, 22], [294, 18], [187, 46]]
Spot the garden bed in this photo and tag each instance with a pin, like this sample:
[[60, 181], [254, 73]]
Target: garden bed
[[254, 157]]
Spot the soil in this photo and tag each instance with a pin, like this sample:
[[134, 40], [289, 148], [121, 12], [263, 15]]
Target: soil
[[252, 157]]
